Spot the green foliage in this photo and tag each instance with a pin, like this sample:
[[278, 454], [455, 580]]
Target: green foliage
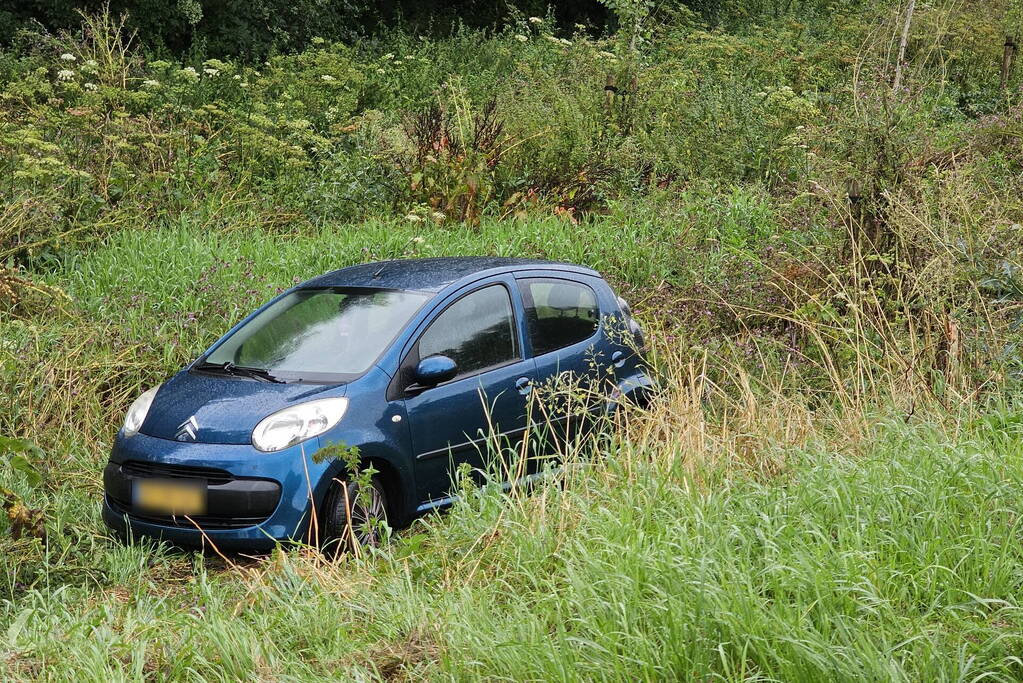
[[18, 453], [841, 373], [256, 29]]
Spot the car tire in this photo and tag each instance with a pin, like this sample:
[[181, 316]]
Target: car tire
[[351, 521]]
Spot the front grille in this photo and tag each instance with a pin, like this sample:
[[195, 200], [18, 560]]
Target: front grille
[[231, 502], [139, 468]]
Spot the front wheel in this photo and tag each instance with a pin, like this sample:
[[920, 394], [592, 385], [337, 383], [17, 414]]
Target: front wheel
[[354, 516]]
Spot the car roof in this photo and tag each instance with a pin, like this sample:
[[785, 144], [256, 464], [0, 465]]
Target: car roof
[[432, 274]]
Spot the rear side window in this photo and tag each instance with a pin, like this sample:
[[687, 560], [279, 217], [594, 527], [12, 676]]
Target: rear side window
[[559, 313], [477, 331]]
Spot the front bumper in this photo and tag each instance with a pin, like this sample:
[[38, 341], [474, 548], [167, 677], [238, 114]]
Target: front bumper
[[254, 499]]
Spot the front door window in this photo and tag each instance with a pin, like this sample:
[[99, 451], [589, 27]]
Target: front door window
[[477, 332]]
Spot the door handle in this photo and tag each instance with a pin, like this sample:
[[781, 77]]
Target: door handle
[[524, 385], [618, 358]]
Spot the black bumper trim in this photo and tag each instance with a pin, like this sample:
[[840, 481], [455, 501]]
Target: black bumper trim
[[231, 502]]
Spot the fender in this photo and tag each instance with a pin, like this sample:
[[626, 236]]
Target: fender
[[390, 462]]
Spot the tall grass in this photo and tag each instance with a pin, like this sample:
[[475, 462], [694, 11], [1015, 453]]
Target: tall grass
[[741, 535]]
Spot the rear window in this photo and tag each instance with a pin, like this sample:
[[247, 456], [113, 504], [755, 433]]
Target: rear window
[[559, 313]]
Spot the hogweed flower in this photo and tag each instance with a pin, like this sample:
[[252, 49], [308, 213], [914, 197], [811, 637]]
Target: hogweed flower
[[91, 87], [535, 20], [327, 77], [150, 83], [65, 75], [521, 38], [68, 57]]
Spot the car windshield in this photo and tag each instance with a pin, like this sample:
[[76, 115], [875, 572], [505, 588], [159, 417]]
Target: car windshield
[[318, 334]]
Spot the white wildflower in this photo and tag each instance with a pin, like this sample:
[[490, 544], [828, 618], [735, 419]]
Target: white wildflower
[[521, 38], [381, 72], [565, 41], [418, 240], [91, 62], [389, 55], [150, 83], [68, 57], [535, 20], [211, 72], [607, 55], [237, 77], [65, 75], [397, 62], [91, 87], [438, 216], [414, 218], [326, 77]]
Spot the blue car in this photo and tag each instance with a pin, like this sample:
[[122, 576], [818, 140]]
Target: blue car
[[409, 366]]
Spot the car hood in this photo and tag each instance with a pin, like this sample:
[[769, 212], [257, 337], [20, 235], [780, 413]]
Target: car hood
[[222, 409]]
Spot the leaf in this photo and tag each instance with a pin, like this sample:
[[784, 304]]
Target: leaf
[[20, 463], [16, 627], [9, 445], [25, 522]]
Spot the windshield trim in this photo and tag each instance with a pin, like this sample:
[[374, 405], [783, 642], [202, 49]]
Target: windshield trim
[[318, 378]]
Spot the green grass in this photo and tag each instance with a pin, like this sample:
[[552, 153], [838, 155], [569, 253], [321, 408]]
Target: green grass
[[902, 563], [896, 558]]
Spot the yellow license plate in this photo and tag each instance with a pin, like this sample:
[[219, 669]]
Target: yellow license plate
[[168, 497]]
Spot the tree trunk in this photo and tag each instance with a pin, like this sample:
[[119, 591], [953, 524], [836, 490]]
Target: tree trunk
[[1007, 55], [902, 44]]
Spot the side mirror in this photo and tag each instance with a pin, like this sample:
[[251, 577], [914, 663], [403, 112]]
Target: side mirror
[[433, 370]]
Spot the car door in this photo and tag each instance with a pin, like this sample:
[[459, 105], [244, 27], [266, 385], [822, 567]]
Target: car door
[[453, 422], [564, 333]]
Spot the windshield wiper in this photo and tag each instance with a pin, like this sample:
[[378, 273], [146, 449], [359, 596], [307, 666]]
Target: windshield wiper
[[230, 368]]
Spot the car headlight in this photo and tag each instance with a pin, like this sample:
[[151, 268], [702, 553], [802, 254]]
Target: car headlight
[[137, 412], [289, 426]]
